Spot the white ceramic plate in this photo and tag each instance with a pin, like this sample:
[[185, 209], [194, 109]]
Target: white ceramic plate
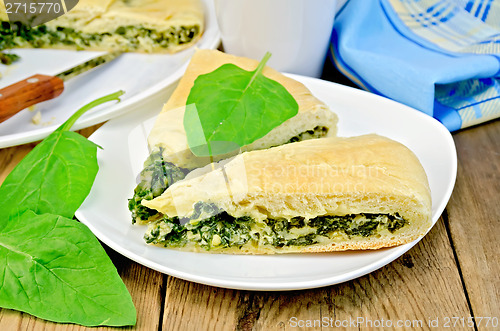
[[124, 141], [139, 75]]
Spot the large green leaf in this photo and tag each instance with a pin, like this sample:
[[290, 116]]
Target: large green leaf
[[50, 265], [54, 268], [55, 177], [231, 106]]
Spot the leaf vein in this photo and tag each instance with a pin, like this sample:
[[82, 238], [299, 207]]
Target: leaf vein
[[56, 276]]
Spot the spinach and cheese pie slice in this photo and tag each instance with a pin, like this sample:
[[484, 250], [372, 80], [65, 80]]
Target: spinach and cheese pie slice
[[322, 195], [126, 25], [168, 143]]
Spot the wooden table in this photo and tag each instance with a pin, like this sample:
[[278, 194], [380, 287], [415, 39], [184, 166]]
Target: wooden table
[[453, 272]]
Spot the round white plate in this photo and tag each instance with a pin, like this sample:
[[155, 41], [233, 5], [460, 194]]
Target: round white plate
[[125, 149], [139, 75]]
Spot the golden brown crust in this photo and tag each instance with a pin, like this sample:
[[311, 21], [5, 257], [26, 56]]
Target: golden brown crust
[[108, 15], [169, 133], [159, 15], [3, 12]]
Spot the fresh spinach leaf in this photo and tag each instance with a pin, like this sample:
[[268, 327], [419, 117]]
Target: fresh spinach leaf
[[233, 107], [54, 268], [50, 265], [56, 176]]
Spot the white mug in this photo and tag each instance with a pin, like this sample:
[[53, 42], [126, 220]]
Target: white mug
[[296, 32]]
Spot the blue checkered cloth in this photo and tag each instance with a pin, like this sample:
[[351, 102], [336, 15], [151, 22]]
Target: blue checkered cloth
[[439, 56]]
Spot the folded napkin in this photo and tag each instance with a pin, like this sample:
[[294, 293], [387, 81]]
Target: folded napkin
[[439, 56]]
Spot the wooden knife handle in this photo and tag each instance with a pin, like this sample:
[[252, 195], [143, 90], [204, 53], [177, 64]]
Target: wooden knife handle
[[28, 92]]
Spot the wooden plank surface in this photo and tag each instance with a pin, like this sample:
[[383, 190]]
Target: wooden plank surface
[[423, 284], [10, 157], [473, 217]]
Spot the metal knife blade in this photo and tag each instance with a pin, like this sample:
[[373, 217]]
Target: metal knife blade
[[88, 65]]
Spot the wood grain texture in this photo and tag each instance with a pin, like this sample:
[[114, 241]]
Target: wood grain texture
[[422, 284], [474, 216], [10, 157]]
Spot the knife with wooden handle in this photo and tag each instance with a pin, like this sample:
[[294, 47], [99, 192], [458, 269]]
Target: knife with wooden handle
[[38, 88]]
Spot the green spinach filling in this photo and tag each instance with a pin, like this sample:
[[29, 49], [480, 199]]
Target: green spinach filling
[[151, 186], [210, 227], [8, 58], [317, 132], [154, 179], [17, 34]]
